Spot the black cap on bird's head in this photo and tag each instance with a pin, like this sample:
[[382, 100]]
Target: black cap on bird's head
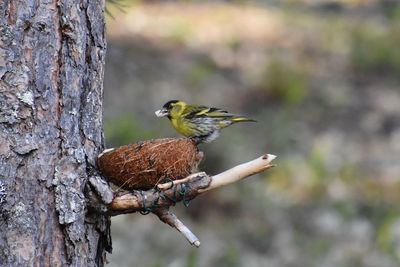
[[170, 103], [166, 108]]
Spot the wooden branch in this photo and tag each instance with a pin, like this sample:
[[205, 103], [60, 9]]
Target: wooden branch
[[144, 201], [240, 172], [161, 198], [169, 218]]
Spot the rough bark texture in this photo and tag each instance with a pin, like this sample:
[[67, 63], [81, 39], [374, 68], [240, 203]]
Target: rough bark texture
[[51, 72]]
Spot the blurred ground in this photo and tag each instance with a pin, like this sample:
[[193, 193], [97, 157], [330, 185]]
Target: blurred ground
[[323, 80]]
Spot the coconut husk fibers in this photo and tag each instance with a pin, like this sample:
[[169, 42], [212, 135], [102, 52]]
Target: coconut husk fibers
[[145, 164]]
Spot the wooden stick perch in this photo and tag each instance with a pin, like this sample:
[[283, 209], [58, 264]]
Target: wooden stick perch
[[158, 200], [240, 172]]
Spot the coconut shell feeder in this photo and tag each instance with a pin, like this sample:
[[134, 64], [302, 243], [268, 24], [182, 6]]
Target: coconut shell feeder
[[145, 164], [157, 174]]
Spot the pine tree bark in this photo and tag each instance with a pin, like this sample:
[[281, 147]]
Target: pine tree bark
[[51, 85]]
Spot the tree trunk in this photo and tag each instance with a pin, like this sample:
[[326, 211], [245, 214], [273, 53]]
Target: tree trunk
[[51, 86]]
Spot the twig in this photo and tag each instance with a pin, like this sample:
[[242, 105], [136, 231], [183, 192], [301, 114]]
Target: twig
[[240, 172], [169, 218]]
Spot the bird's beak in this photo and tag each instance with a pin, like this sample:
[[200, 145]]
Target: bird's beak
[[161, 113]]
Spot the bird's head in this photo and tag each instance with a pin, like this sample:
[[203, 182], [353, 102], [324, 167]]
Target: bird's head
[[170, 108]]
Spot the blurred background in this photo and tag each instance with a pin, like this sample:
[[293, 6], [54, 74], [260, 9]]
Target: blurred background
[[322, 77]]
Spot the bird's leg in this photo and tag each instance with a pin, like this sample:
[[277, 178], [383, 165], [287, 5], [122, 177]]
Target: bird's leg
[[196, 139]]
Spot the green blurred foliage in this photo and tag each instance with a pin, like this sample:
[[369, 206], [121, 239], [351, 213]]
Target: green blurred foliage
[[157, 264], [119, 5], [391, 8], [192, 259], [178, 32], [229, 258], [317, 248], [348, 210], [199, 73], [317, 164], [376, 50], [299, 83], [124, 130], [304, 180], [285, 82], [385, 234]]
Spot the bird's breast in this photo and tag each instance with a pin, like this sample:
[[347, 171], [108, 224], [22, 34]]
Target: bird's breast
[[182, 127]]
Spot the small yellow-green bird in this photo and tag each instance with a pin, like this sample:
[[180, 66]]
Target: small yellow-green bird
[[200, 123]]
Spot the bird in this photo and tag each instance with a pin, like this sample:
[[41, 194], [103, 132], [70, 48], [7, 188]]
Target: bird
[[200, 123]]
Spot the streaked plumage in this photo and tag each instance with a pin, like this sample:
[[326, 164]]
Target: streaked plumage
[[201, 123]]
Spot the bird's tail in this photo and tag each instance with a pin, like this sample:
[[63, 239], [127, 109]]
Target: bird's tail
[[240, 119]]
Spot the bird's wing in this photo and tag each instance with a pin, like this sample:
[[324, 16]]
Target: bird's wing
[[192, 111], [218, 113], [202, 111]]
